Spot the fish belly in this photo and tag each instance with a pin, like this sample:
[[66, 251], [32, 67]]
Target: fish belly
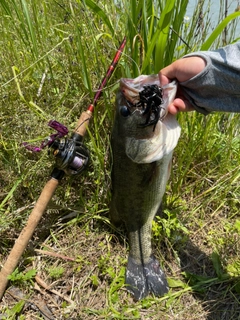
[[137, 194]]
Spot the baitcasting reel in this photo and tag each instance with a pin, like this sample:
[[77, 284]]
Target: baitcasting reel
[[71, 155]]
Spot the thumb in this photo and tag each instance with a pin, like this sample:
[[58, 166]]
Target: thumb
[[167, 74]]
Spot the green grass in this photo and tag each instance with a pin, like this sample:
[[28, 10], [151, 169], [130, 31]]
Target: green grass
[[54, 55]]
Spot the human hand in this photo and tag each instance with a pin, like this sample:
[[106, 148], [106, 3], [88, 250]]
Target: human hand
[[182, 70]]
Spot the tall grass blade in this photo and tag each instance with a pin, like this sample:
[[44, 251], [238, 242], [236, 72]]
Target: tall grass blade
[[72, 43], [133, 14], [101, 13], [176, 40], [31, 30], [6, 7], [38, 111], [218, 30], [85, 73], [162, 35], [11, 192]]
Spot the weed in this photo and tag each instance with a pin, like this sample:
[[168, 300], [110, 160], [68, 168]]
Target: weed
[[170, 227], [55, 272], [55, 53], [22, 277]]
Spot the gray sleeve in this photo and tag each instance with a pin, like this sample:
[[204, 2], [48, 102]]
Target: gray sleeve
[[217, 87]]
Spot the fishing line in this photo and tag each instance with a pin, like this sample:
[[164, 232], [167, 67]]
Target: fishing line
[[129, 59]]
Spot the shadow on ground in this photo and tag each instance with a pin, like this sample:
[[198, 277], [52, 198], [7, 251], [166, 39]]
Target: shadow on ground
[[219, 296]]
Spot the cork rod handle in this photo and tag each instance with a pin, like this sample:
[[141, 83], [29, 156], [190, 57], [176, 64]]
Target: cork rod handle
[[26, 234]]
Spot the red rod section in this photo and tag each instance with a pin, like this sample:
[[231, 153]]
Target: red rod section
[[108, 74]]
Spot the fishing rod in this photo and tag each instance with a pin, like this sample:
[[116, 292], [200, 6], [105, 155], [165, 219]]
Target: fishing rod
[[71, 156]]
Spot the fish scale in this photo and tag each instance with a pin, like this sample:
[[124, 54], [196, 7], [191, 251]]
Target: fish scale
[[141, 166]]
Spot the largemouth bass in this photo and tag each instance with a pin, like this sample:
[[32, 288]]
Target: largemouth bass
[[143, 138]]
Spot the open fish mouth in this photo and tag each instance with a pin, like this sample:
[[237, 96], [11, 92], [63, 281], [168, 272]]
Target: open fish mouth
[[146, 96], [130, 88]]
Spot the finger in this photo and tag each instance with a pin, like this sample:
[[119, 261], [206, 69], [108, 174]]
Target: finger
[[180, 105], [167, 74], [163, 79], [183, 69]]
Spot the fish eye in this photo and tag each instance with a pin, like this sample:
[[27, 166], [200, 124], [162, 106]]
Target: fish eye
[[124, 111]]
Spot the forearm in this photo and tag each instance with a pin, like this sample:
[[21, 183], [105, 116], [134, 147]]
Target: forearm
[[217, 87]]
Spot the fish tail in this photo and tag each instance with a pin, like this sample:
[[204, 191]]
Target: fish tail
[[141, 279]]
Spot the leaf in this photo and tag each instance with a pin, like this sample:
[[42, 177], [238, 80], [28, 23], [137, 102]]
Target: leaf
[[237, 225], [176, 283], [30, 274], [218, 30], [30, 26], [6, 7], [160, 37], [11, 192], [14, 275], [217, 264], [234, 269], [195, 279], [20, 276], [94, 279], [162, 40], [37, 110], [97, 10], [85, 74], [18, 307]]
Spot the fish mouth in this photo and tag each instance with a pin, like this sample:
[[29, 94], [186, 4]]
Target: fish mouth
[[130, 88], [145, 95]]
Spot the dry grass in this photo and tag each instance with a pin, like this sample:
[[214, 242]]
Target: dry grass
[[80, 275], [78, 256]]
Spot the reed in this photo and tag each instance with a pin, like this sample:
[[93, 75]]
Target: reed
[[54, 55]]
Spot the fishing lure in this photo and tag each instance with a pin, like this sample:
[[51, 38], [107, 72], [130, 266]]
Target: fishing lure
[[61, 132], [150, 100]]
